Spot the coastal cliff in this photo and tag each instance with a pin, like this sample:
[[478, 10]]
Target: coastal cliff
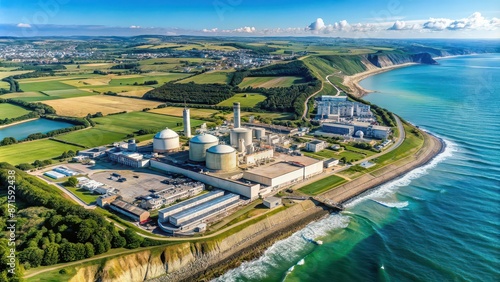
[[391, 59], [201, 260]]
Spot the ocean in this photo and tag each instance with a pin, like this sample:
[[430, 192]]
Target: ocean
[[439, 222]]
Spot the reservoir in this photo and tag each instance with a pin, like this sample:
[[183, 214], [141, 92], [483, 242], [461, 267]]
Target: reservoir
[[22, 130]]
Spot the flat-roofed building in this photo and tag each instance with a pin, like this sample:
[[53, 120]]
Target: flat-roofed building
[[163, 214], [272, 202], [316, 145], [130, 210]]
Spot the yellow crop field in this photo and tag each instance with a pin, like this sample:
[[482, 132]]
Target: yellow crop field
[[81, 106], [88, 82]]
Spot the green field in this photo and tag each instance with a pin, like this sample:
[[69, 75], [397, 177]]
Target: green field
[[328, 154], [208, 77], [26, 96], [67, 93], [28, 152], [44, 86], [322, 185], [245, 99], [11, 111], [270, 81], [114, 128], [161, 78], [83, 194], [4, 85]]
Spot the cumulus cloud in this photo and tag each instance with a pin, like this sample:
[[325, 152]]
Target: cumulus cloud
[[472, 22], [317, 25], [135, 26], [402, 25], [246, 29], [210, 30], [24, 25]]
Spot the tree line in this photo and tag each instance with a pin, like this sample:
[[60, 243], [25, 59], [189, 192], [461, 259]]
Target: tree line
[[191, 93]]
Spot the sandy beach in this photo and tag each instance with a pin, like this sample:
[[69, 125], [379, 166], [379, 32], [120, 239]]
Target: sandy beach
[[353, 81]]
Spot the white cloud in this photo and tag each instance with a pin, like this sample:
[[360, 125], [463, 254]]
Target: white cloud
[[135, 26], [473, 22], [402, 25], [210, 30], [246, 29], [24, 25], [317, 25]]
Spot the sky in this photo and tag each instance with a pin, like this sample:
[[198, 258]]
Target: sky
[[360, 18]]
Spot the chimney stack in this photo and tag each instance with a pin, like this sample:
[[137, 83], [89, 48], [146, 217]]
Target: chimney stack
[[236, 110], [187, 122]]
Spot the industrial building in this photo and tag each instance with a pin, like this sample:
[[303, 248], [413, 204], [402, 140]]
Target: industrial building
[[274, 128], [331, 162], [166, 140], [130, 210], [281, 174], [272, 202], [171, 194], [221, 157], [240, 138], [131, 159], [93, 153], [195, 213], [316, 146], [336, 107], [362, 129], [199, 144]]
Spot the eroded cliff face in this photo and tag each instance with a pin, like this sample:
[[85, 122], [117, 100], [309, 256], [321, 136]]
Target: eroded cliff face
[[179, 261], [385, 60]]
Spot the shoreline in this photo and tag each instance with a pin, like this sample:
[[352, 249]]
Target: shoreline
[[352, 81], [256, 246], [18, 122]]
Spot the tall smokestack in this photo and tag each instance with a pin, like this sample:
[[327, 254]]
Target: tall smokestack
[[187, 122], [236, 110]]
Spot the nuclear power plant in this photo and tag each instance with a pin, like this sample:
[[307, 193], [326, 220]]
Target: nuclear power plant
[[242, 161]]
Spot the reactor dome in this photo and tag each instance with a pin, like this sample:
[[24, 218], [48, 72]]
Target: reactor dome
[[359, 134], [165, 141], [221, 157], [198, 146]]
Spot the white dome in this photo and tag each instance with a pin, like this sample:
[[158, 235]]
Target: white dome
[[204, 138], [221, 149], [166, 134], [359, 133]]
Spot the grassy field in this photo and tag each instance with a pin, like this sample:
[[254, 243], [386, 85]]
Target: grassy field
[[68, 93], [4, 74], [161, 78], [221, 77], [83, 194], [408, 147], [28, 152], [4, 85], [105, 104], [116, 127], [44, 86], [11, 111], [120, 89], [25, 96], [270, 81], [322, 185], [245, 99]]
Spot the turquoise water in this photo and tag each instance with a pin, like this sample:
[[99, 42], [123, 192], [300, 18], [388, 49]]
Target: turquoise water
[[440, 222], [22, 130]]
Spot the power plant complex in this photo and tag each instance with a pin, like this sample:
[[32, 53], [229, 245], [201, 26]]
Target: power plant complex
[[244, 166]]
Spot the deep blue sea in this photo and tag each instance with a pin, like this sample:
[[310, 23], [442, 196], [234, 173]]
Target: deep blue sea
[[440, 222], [22, 130]]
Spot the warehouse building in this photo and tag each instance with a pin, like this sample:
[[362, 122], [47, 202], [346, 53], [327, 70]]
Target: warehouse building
[[281, 174], [195, 213], [368, 130], [130, 210], [131, 159]]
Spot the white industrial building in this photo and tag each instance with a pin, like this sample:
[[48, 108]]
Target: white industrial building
[[272, 202], [131, 159], [199, 144], [283, 174], [335, 107], [316, 145], [196, 212], [258, 156], [362, 129], [166, 140]]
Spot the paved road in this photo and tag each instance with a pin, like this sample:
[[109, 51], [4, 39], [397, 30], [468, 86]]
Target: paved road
[[306, 107]]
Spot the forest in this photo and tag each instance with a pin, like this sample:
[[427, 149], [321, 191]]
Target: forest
[[208, 94], [50, 228]]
